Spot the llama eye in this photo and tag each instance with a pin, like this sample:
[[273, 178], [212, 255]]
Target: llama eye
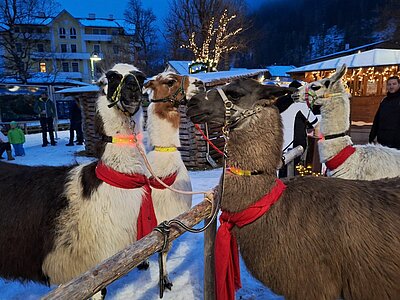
[[234, 96], [315, 87], [170, 83]]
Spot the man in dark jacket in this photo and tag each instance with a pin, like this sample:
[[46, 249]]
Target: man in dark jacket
[[386, 125], [46, 110], [75, 123]]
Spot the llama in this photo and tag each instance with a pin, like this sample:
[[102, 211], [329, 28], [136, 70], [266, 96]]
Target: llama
[[322, 238], [166, 92], [336, 150], [66, 220]]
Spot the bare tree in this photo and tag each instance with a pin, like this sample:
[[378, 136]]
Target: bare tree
[[144, 39], [210, 29], [17, 38]]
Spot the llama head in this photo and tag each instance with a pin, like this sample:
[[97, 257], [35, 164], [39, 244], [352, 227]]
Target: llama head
[[246, 96], [320, 92], [122, 85]]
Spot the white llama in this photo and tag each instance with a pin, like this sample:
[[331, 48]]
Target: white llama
[[166, 92], [336, 150]]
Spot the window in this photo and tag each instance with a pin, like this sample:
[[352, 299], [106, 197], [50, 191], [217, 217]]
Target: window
[[75, 67], [72, 33], [40, 47], [96, 31], [18, 47], [62, 33], [42, 67], [116, 49], [103, 31], [73, 48], [65, 67], [63, 48], [96, 48]]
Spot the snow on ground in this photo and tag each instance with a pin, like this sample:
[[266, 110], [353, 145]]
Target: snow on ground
[[185, 260]]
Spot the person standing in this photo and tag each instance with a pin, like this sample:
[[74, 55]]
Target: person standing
[[16, 137], [386, 125], [75, 117], [5, 146], [46, 110]]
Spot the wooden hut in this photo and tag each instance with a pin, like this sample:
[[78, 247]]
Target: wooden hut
[[366, 79]]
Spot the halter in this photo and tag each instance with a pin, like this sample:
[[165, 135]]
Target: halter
[[310, 93], [232, 120], [173, 98], [116, 97]]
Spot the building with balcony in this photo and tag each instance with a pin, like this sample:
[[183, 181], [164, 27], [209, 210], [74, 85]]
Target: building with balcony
[[72, 47]]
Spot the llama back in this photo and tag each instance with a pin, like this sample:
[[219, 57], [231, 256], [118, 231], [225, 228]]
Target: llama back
[[332, 242], [370, 162], [28, 218]]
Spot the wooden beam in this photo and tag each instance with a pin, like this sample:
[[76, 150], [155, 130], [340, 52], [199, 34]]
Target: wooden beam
[[124, 261]]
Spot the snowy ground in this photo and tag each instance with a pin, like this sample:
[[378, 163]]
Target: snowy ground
[[185, 263]]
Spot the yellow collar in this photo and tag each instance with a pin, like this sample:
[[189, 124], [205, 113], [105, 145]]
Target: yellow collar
[[130, 139], [165, 149], [241, 172]]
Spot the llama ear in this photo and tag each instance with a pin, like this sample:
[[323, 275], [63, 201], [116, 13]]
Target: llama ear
[[340, 71], [139, 76], [270, 91]]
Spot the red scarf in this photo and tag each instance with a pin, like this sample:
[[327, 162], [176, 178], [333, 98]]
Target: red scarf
[[340, 158], [227, 271], [147, 218]]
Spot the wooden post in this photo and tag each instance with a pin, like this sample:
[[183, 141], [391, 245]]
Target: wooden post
[[124, 261], [209, 270]]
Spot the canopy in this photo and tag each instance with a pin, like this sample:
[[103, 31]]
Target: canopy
[[370, 58]]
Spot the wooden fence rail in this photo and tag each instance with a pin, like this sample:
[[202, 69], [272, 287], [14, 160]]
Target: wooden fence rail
[[124, 261]]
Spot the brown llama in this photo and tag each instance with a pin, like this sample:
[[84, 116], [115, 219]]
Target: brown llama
[[323, 238]]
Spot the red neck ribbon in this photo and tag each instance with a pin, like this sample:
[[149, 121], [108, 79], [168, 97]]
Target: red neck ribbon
[[340, 158], [227, 271], [147, 218]]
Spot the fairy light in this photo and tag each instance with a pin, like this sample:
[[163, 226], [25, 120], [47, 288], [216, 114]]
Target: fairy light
[[216, 41], [306, 171]]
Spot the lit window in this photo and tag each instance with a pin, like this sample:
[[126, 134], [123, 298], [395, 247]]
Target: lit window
[[75, 67], [72, 33], [62, 33], [42, 67], [65, 67]]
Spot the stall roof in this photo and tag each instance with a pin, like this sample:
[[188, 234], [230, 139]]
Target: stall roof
[[217, 77], [370, 58], [82, 89]]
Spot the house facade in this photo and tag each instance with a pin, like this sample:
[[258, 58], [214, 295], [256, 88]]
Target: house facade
[[73, 47]]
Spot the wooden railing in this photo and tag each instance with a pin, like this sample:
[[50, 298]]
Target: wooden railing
[[124, 261]]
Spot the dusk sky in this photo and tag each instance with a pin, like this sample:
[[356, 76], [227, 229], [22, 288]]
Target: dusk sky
[[103, 8]]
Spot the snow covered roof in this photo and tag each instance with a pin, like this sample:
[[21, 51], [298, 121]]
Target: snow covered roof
[[43, 78], [280, 71], [179, 66], [214, 78], [82, 89], [370, 58]]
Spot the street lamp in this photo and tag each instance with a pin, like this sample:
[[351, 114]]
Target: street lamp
[[93, 57]]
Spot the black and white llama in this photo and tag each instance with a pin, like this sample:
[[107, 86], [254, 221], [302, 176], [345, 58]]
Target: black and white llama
[[68, 219]]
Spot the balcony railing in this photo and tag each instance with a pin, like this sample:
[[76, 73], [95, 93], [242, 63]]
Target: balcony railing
[[62, 55], [98, 37]]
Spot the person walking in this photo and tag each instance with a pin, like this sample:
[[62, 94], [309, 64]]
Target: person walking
[[75, 117], [45, 108], [16, 137], [386, 126], [5, 146]]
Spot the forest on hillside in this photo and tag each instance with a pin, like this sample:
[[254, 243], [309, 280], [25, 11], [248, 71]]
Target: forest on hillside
[[296, 31]]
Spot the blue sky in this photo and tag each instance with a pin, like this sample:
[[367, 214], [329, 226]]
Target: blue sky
[[103, 8]]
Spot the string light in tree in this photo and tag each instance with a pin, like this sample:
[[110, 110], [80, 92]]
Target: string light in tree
[[215, 43]]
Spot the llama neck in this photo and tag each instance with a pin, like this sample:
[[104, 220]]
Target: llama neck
[[257, 147], [162, 132], [122, 157], [330, 148], [335, 115]]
